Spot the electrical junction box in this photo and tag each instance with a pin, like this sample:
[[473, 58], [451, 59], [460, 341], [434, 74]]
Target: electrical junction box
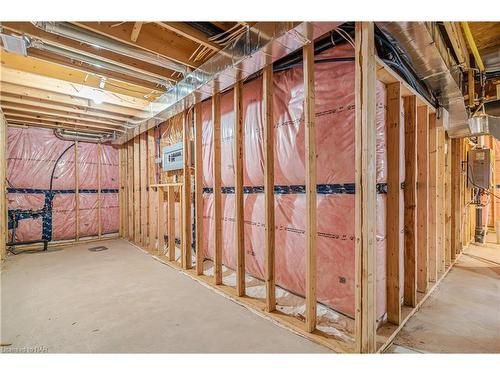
[[173, 156], [479, 169]]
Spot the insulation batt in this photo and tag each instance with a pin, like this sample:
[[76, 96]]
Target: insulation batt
[[335, 117], [31, 155]]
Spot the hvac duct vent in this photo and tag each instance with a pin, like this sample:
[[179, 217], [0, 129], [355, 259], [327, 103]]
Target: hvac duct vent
[[14, 44]]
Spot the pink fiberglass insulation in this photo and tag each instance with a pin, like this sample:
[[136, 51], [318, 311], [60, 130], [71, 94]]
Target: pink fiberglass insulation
[[31, 156], [335, 116]]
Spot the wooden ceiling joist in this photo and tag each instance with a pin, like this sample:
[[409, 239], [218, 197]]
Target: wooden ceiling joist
[[190, 33], [34, 32], [135, 31], [65, 115], [61, 123], [53, 125], [36, 94], [153, 38], [40, 105], [49, 84]]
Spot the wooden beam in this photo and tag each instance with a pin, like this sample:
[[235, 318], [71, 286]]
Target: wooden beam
[[441, 201], [130, 190], [269, 209], [198, 197], [99, 195], [137, 192], [310, 161], [410, 198], [366, 196], [422, 197], [186, 31], [456, 216], [144, 187], [239, 214], [171, 222], [186, 192], [77, 193], [432, 238], [393, 218], [31, 80], [449, 256], [161, 220], [153, 38], [3, 190], [152, 195], [136, 29], [216, 141], [45, 96], [12, 121]]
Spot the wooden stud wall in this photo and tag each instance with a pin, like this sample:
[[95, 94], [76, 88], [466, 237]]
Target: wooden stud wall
[[427, 225], [3, 191]]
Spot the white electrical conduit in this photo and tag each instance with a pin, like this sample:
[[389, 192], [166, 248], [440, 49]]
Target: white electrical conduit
[[73, 135], [67, 30]]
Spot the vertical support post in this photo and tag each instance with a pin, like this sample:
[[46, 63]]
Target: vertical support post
[[365, 197], [310, 161], [393, 218], [121, 201], [77, 194], [422, 197], [433, 198], [455, 197], [239, 218], [144, 189], [137, 195], [130, 190], [186, 192], [198, 195], [269, 186], [441, 201], [3, 190], [152, 195], [99, 167], [171, 222], [449, 256], [217, 188], [410, 198], [161, 220]]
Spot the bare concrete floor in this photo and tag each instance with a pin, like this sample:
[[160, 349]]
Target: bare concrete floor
[[122, 300], [463, 313]]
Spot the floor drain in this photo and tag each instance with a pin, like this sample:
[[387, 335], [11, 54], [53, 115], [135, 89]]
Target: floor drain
[[98, 248]]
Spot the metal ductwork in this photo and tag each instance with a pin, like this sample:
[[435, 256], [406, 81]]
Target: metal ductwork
[[74, 135], [95, 61], [418, 43], [68, 30], [259, 45]]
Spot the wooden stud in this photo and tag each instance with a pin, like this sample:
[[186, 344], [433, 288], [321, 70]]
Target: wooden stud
[[455, 198], [186, 193], [366, 196], [393, 218], [144, 188], [161, 220], [152, 195], [216, 141], [198, 197], [239, 215], [310, 161], [3, 190], [77, 194], [422, 197], [440, 202], [99, 195], [137, 194], [269, 187], [449, 256], [433, 199], [130, 190], [171, 222], [410, 198]]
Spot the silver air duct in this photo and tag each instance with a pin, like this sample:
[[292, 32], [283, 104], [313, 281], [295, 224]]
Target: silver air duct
[[259, 45], [68, 30], [96, 62], [74, 135], [419, 45]]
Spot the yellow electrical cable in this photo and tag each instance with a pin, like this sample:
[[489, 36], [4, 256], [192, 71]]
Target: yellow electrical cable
[[472, 45]]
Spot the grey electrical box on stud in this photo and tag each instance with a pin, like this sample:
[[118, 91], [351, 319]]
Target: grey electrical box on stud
[[479, 169], [173, 156]]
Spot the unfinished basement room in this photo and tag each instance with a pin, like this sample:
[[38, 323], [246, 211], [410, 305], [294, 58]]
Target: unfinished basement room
[[249, 186]]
